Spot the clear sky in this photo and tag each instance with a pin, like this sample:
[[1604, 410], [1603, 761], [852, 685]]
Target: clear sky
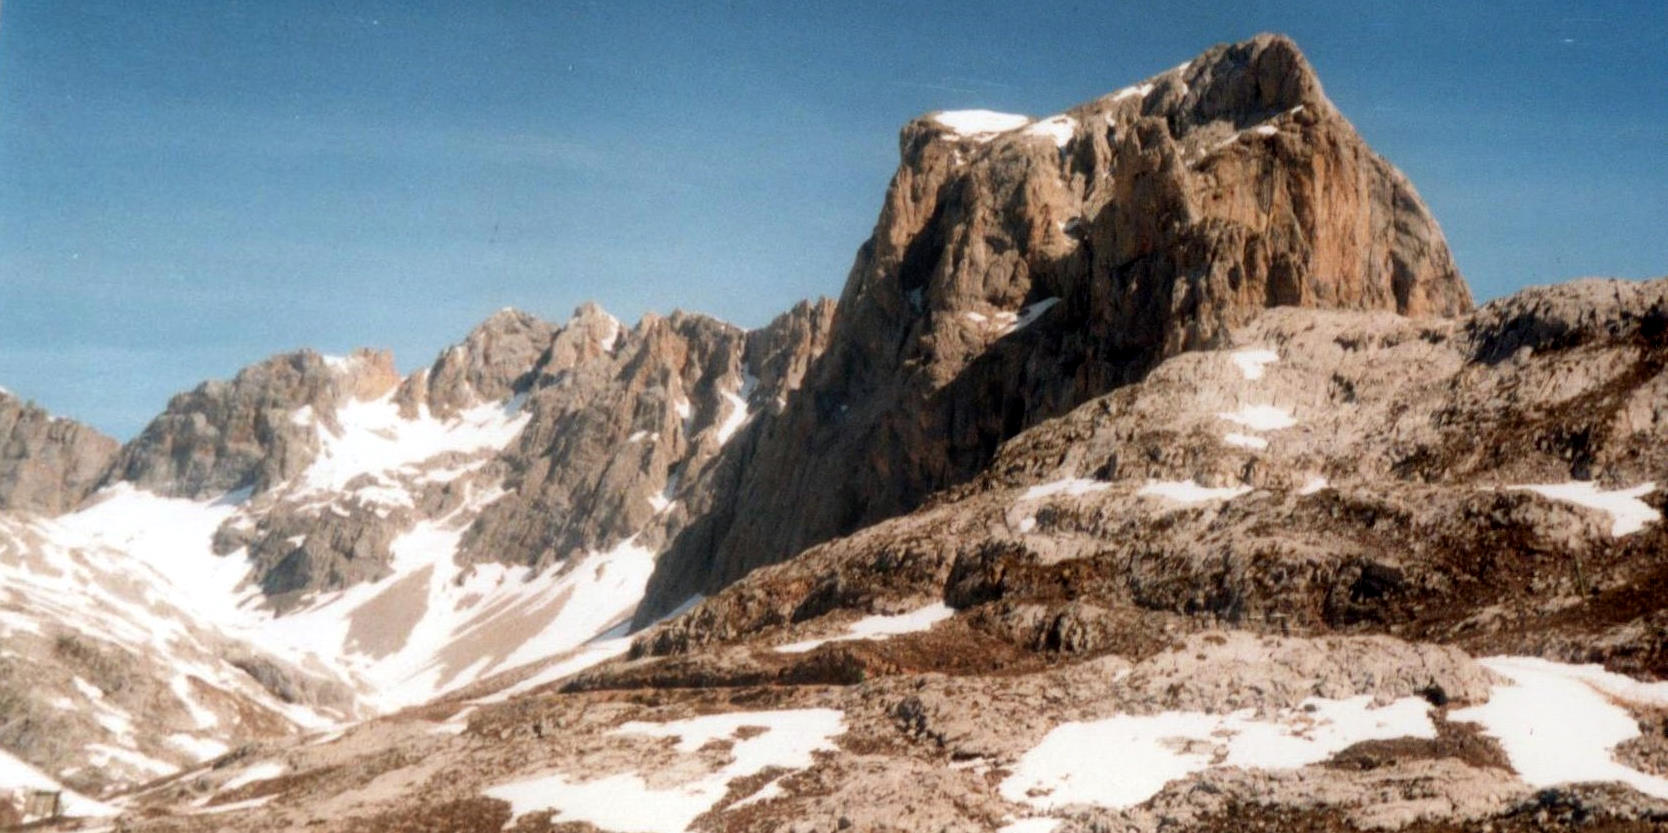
[[187, 187]]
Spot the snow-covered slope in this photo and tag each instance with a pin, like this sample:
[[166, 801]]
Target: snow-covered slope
[[317, 540]]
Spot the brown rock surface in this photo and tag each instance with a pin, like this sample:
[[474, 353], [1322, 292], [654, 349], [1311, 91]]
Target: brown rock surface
[[47, 464], [1164, 216]]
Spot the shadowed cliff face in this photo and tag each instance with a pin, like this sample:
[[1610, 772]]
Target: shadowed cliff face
[[1021, 267]]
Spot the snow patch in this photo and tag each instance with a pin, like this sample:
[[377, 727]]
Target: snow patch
[[1261, 417], [1071, 764], [1314, 485], [18, 776], [612, 339], [1188, 491], [264, 771], [472, 622], [1252, 362], [1133, 91], [1561, 723], [1058, 128], [375, 440], [879, 628], [1245, 441], [1073, 486], [200, 749], [980, 124], [625, 801], [1028, 315], [739, 413], [1628, 514]]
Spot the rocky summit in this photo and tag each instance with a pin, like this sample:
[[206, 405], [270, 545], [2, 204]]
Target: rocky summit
[[1154, 471]]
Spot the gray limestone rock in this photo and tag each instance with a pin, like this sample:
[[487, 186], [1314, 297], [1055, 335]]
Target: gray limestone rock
[[47, 464]]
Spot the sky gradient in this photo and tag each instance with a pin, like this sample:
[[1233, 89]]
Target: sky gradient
[[188, 187]]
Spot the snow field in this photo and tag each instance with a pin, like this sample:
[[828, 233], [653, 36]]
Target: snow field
[[878, 628], [1071, 764], [625, 801]]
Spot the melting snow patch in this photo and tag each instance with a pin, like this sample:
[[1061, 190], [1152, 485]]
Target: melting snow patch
[[17, 775], [374, 439], [1135, 91], [465, 622], [738, 413], [1187, 491], [625, 801], [1073, 486], [1261, 417], [1071, 765], [1058, 128], [1245, 441], [980, 124], [610, 341], [1314, 485], [1265, 130], [1029, 315], [259, 772], [200, 749], [1560, 723], [879, 627], [1628, 513], [1251, 362]]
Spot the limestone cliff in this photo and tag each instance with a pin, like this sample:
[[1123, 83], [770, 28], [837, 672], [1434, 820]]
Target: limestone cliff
[[1020, 267]]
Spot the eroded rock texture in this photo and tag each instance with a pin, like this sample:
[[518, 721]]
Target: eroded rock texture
[[1014, 275], [47, 464]]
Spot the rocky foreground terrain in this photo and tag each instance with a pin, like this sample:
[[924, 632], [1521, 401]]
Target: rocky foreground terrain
[[1153, 472]]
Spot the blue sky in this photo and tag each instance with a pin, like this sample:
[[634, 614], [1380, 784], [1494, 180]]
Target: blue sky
[[187, 187]]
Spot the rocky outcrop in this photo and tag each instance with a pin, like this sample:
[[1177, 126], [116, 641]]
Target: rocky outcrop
[[545, 442], [490, 365], [244, 434], [47, 464], [1326, 472], [1022, 267], [629, 430]]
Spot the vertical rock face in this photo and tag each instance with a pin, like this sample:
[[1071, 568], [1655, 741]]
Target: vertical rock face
[[47, 464], [1020, 267], [628, 428], [244, 433]]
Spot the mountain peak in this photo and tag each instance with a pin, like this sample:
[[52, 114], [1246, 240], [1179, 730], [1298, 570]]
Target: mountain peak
[[489, 365], [1144, 223]]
